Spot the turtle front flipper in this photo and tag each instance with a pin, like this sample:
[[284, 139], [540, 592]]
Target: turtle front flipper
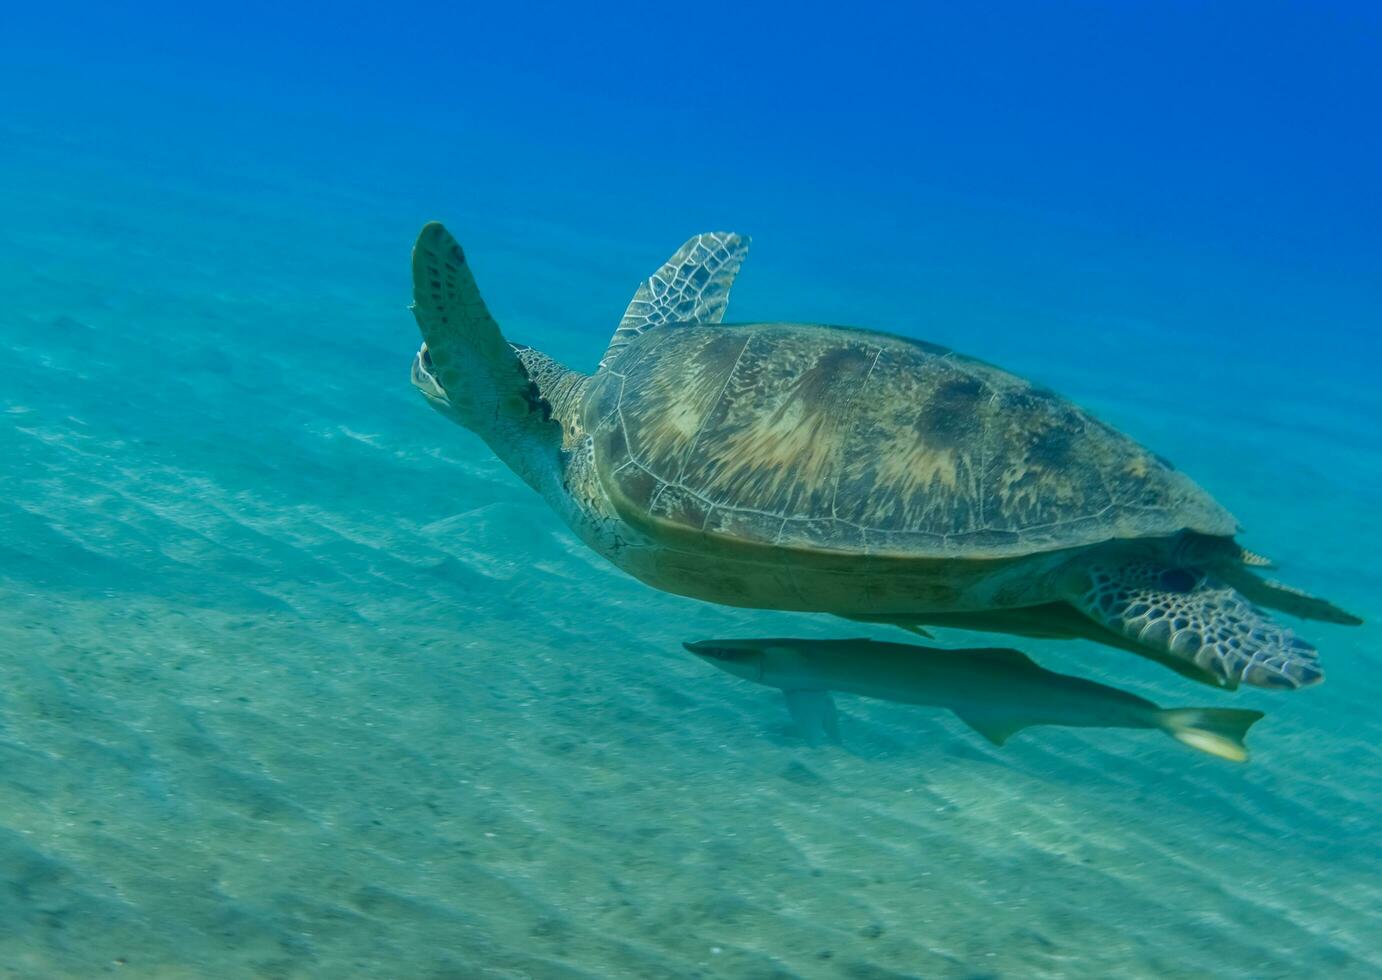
[[691, 287], [1184, 614], [468, 370]]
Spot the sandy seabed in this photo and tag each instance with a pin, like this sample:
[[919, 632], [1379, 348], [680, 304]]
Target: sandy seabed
[[297, 681]]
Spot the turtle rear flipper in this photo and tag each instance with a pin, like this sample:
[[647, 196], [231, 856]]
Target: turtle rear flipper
[[1287, 598], [1184, 614]]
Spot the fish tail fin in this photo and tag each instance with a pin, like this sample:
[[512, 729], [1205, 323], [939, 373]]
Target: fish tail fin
[[1218, 731]]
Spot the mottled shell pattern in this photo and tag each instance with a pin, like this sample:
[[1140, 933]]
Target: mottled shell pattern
[[837, 440]]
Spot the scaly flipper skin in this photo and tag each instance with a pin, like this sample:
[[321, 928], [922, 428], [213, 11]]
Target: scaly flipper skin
[[1184, 613], [466, 353], [691, 287], [469, 371]]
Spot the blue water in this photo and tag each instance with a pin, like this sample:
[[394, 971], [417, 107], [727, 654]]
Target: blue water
[[297, 680]]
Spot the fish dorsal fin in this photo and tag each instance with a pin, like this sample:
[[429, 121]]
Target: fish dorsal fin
[[691, 287], [993, 727]]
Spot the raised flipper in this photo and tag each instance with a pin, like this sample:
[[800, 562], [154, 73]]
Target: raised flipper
[[1183, 613], [813, 712], [692, 287], [468, 370]]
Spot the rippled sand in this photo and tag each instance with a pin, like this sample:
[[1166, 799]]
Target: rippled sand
[[296, 681]]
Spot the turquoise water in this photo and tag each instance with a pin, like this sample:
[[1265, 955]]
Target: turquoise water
[[297, 680]]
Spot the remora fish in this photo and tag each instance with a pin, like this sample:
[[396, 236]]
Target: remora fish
[[994, 691]]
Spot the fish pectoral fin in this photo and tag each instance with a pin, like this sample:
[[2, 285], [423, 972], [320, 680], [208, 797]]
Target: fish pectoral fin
[[813, 712], [995, 728]]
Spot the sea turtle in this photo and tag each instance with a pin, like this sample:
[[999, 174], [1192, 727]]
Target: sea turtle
[[829, 469]]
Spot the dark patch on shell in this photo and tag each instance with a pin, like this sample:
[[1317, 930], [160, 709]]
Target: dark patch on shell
[[779, 440], [1053, 446], [829, 382], [948, 418]]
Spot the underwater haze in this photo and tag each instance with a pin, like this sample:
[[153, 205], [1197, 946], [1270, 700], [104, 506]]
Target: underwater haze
[[297, 680]]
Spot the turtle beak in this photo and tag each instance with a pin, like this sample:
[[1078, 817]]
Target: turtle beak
[[423, 378]]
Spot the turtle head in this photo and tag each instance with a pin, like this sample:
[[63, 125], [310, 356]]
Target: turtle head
[[425, 381]]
